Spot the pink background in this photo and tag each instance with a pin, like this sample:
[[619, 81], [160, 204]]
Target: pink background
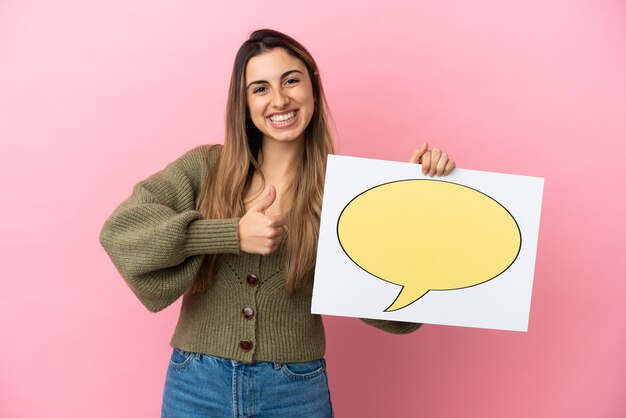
[[94, 96]]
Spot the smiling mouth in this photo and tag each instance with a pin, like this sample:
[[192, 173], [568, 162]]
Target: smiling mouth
[[283, 119]]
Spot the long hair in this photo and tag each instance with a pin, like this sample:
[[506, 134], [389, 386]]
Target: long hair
[[228, 181]]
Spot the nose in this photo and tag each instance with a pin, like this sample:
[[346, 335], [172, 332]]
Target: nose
[[280, 100]]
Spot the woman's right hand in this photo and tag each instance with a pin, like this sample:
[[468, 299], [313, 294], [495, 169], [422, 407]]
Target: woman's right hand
[[260, 233]]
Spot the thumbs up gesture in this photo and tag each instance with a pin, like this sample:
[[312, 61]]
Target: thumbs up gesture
[[260, 233]]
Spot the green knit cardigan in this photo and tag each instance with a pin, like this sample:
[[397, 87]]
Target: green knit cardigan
[[157, 240]]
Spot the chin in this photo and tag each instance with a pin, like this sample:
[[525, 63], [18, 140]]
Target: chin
[[287, 137]]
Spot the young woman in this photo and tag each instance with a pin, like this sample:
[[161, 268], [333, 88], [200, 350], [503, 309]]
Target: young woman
[[233, 229]]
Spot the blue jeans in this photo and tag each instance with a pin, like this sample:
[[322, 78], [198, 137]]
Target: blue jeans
[[199, 385]]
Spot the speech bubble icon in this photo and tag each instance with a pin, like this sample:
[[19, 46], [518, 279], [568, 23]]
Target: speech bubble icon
[[428, 235]]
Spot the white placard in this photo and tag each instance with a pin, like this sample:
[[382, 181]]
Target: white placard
[[446, 228]]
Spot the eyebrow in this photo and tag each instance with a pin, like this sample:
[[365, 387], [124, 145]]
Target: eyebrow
[[283, 75]]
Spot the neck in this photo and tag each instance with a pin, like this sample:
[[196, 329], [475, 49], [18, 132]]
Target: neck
[[279, 160]]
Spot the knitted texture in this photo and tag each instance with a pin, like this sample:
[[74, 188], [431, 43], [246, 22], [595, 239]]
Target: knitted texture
[[157, 240]]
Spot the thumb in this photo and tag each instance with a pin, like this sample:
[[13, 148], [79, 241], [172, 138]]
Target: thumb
[[417, 154], [267, 201]]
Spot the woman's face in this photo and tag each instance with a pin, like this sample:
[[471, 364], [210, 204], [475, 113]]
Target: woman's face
[[279, 95]]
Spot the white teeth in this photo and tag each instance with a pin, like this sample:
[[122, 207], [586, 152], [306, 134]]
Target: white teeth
[[283, 118]]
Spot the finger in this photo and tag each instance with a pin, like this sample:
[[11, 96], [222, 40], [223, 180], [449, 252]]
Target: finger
[[270, 247], [277, 221], [266, 202], [267, 250], [274, 247], [441, 164], [275, 233], [417, 154], [426, 163], [435, 155], [450, 165]]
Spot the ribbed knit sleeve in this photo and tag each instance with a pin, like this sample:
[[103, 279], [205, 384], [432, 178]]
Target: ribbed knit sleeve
[[395, 327], [157, 239]]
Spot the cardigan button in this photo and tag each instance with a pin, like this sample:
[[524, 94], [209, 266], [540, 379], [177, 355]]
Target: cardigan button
[[252, 279], [247, 312], [245, 345]]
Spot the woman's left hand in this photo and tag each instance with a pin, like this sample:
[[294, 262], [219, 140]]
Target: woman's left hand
[[434, 161]]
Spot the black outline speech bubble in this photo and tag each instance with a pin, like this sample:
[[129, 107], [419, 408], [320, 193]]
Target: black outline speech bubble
[[429, 290]]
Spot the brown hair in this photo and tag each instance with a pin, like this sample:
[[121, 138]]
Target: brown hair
[[228, 180]]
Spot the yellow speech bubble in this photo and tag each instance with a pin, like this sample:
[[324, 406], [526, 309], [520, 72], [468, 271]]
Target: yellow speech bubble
[[428, 235]]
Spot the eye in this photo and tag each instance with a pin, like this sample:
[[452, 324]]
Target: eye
[[261, 89], [292, 81]]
